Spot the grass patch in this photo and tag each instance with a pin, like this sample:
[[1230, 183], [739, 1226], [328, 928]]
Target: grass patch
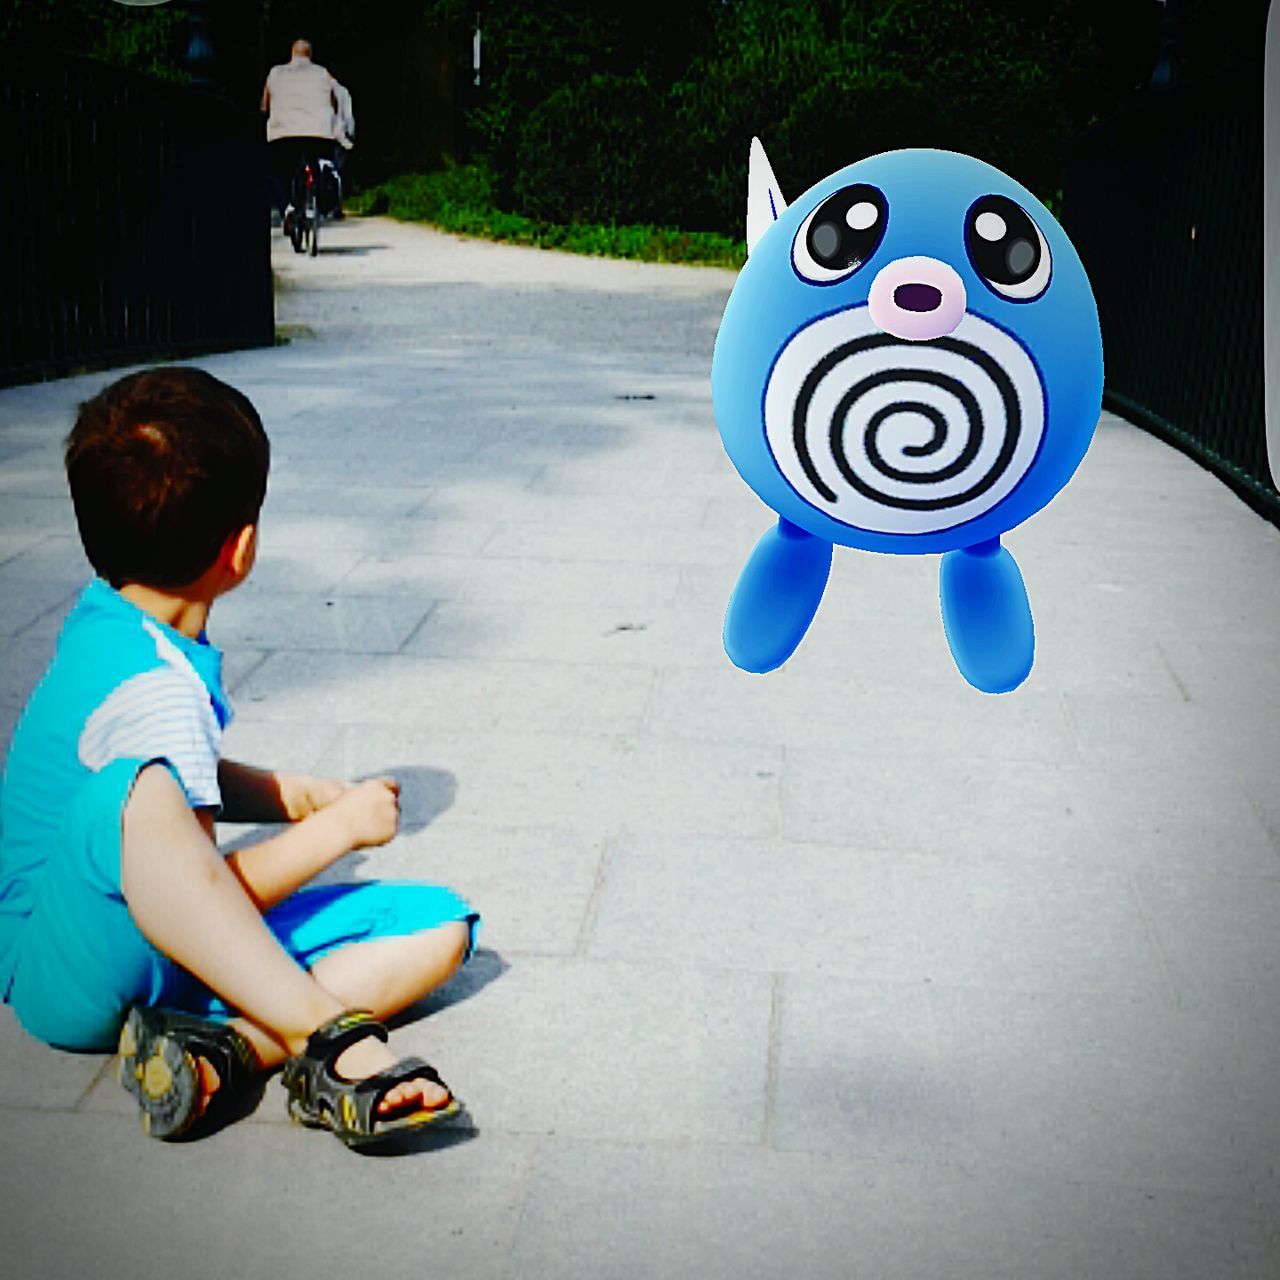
[[460, 199], [287, 333]]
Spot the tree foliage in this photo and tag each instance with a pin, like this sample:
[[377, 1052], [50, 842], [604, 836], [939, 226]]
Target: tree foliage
[[141, 39], [646, 114]]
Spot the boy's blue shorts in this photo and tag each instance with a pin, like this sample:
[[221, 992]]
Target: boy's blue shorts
[[81, 962]]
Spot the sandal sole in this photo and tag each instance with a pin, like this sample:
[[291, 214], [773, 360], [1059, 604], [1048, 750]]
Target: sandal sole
[[161, 1075], [398, 1126]]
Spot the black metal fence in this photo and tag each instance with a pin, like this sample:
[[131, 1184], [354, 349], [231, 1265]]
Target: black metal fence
[[1164, 203], [133, 220]]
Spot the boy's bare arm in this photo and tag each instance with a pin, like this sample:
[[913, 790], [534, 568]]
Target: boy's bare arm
[[366, 813], [265, 795]]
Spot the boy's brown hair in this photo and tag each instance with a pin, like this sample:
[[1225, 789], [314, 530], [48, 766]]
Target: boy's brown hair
[[164, 466]]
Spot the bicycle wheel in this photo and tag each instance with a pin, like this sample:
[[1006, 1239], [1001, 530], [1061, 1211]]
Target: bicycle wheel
[[313, 223]]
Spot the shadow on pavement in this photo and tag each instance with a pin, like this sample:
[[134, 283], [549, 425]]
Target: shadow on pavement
[[484, 967], [349, 250]]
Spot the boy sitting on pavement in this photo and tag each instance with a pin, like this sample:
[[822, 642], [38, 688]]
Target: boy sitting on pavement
[[120, 922]]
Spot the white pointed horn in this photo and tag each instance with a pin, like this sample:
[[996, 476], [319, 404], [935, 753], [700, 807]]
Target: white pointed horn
[[764, 199]]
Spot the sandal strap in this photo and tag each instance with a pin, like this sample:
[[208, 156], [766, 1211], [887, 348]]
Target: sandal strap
[[411, 1068], [331, 1039], [232, 1056], [367, 1094]]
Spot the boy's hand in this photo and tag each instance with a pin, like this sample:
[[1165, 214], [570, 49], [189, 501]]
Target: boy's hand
[[301, 794], [369, 811]]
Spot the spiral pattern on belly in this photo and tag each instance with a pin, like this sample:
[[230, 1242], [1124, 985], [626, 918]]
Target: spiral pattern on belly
[[903, 437]]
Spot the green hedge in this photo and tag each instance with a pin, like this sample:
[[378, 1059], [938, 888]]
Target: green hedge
[[460, 199]]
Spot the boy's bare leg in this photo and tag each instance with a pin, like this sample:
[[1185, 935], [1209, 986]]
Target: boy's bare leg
[[385, 976], [190, 906]]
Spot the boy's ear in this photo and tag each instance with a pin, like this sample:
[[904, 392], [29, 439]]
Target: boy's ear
[[764, 199], [240, 549]]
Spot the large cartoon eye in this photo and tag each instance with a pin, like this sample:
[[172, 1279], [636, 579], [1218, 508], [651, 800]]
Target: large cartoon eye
[[840, 234], [1007, 249]]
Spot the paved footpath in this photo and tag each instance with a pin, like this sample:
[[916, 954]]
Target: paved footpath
[[847, 971]]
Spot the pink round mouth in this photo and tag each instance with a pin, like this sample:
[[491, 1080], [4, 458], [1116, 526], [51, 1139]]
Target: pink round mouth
[[917, 299]]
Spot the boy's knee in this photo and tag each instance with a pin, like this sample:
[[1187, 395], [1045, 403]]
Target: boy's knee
[[462, 938]]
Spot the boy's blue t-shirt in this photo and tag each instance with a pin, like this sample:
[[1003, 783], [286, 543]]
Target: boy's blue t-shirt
[[121, 685]]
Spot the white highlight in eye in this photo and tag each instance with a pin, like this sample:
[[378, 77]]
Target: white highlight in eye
[[990, 226], [862, 215], [1018, 260]]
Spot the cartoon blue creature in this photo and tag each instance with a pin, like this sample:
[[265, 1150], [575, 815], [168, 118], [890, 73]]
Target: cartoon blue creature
[[909, 362]]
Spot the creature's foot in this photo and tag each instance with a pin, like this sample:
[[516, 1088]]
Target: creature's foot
[[776, 597], [987, 617]]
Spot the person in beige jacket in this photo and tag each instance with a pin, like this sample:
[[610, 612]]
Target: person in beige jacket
[[301, 101]]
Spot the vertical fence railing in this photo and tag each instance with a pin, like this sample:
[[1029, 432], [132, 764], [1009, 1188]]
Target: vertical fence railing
[[1164, 203], [133, 220]]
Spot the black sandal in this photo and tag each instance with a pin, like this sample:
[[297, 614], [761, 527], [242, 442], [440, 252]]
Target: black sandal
[[322, 1099], [158, 1052]]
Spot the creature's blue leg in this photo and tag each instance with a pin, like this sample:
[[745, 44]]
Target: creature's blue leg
[[987, 617], [776, 597]]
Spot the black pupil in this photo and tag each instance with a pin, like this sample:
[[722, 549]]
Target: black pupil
[[1002, 241], [847, 227]]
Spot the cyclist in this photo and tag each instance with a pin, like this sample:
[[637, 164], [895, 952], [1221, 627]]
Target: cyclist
[[301, 101]]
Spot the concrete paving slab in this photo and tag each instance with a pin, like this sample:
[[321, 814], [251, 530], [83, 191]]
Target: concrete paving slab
[[655, 1052], [612, 1212], [25, 514], [1009, 1081], [1227, 745], [35, 1076], [402, 690], [640, 632], [328, 531], [312, 619], [921, 720], [54, 558], [36, 473], [293, 571], [535, 888], [25, 659], [656, 544], [14, 542], [945, 803], [515, 582], [879, 915], [292, 497], [484, 498], [236, 666], [1218, 935], [1170, 821], [35, 607], [233, 1205], [275, 746], [597, 785]]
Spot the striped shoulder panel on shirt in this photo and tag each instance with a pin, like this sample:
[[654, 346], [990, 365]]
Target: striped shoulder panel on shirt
[[161, 712]]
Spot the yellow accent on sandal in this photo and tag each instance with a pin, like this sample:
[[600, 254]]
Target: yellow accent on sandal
[[157, 1079]]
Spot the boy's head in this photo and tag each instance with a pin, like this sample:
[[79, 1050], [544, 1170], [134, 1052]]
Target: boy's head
[[165, 466]]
